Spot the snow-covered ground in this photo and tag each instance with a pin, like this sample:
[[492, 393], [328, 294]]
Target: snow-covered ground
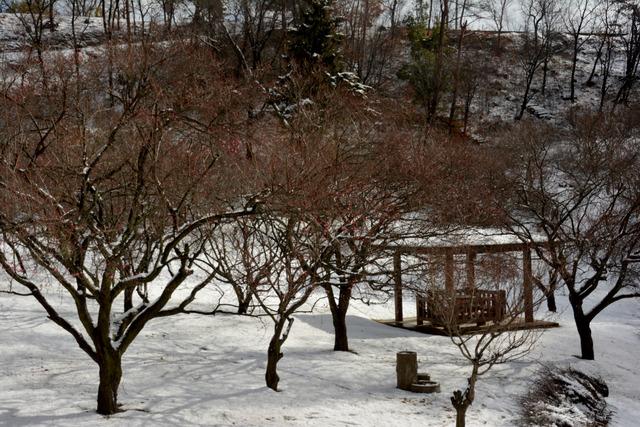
[[197, 370]]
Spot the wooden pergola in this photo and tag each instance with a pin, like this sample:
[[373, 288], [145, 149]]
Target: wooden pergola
[[470, 251]]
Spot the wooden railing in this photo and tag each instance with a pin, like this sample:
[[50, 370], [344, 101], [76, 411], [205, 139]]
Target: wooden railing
[[464, 306]]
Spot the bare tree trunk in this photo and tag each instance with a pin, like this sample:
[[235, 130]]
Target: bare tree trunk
[[574, 61], [339, 314], [243, 305], [605, 80], [133, 16], [469, 96], [545, 68], [456, 77], [632, 52], [110, 363], [127, 13], [551, 301], [461, 416], [281, 330], [586, 339], [499, 35], [583, 324], [525, 98], [76, 56], [43, 69], [341, 341], [467, 110], [128, 299], [461, 400], [550, 292], [394, 7], [51, 21], [455, 18], [271, 375], [592, 74], [438, 74]]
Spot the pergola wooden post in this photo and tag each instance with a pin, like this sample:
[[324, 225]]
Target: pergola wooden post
[[471, 270], [397, 277], [448, 272], [527, 284]]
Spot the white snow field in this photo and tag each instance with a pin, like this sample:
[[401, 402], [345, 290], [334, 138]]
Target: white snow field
[[193, 370]]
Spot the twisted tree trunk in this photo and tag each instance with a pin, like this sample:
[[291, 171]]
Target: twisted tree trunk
[[274, 352]]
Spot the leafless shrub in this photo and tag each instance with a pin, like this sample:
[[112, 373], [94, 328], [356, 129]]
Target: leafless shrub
[[565, 397]]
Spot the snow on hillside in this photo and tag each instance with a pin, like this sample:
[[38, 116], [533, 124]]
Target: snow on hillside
[[14, 33], [204, 370], [497, 100], [504, 89]]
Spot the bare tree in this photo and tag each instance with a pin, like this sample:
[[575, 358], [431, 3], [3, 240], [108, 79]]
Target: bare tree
[[606, 64], [168, 12], [607, 25], [371, 39], [356, 202], [104, 200], [362, 177], [539, 44], [534, 47], [355, 257], [474, 72], [631, 43], [208, 12], [551, 34], [547, 282], [578, 19], [36, 16], [85, 8], [293, 277], [495, 343], [497, 11], [440, 56], [461, 24], [231, 256], [583, 196], [276, 260], [257, 28]]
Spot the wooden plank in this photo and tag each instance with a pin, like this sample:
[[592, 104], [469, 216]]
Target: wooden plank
[[397, 276], [432, 329]]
